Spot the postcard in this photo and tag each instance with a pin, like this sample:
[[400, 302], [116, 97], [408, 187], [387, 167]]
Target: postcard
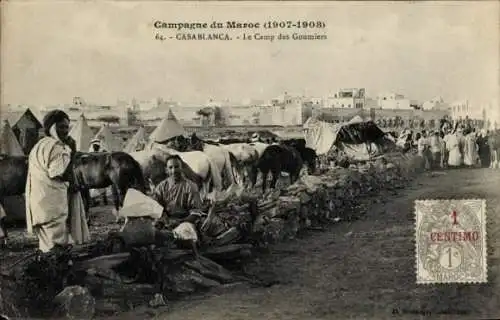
[[306, 160]]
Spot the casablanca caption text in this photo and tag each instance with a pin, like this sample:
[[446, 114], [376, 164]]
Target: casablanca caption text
[[244, 31]]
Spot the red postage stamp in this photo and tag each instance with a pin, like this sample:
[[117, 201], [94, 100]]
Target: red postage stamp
[[451, 241]]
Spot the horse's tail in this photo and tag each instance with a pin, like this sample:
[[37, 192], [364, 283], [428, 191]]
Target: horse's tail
[[228, 168], [215, 174], [137, 180], [235, 168], [206, 184]]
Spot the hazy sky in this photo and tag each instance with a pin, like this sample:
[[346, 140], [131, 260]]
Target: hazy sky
[[103, 51]]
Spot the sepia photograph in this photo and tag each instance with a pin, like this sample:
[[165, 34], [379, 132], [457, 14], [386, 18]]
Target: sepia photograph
[[249, 160]]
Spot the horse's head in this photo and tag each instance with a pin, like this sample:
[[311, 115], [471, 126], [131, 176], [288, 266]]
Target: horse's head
[[195, 143]]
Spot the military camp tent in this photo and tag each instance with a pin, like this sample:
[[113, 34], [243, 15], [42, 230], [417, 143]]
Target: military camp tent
[[359, 140], [137, 142], [12, 207], [82, 134], [9, 144], [168, 128], [26, 126], [107, 140]]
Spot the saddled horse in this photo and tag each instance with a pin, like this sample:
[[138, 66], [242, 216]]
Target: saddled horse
[[98, 170], [219, 155], [197, 166], [276, 159], [92, 171]]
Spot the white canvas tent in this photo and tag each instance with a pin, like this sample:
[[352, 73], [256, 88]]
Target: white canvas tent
[[108, 142], [12, 207], [9, 144], [82, 134], [357, 139], [137, 142], [356, 119], [168, 128]]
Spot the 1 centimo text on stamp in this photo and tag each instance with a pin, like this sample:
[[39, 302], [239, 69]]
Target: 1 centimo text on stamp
[[451, 241]]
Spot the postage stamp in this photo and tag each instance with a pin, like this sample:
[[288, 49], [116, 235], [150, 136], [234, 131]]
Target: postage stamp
[[451, 241]]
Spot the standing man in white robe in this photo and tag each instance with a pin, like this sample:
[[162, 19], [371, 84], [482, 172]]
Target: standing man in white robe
[[470, 148], [51, 196], [453, 146]]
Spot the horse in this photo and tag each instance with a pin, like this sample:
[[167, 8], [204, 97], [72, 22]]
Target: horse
[[98, 170], [219, 155], [308, 155], [196, 165], [13, 175], [91, 171], [277, 159]]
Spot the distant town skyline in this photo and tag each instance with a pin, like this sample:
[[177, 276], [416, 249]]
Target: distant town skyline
[[105, 52]]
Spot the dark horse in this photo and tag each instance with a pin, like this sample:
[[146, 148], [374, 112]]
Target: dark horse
[[277, 159], [101, 170], [13, 174], [308, 155]]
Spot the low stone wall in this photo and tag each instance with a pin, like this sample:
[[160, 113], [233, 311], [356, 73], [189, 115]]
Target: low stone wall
[[316, 200]]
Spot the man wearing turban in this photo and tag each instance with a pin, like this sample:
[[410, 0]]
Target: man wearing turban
[[51, 196]]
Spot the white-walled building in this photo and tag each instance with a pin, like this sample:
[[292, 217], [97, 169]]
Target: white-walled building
[[436, 103], [346, 98], [393, 101], [463, 109]]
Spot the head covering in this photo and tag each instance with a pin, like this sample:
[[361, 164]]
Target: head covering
[[52, 118]]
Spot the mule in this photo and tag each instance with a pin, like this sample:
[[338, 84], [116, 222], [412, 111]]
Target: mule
[[101, 170], [277, 159]]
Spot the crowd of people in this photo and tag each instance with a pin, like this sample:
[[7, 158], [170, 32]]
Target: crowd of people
[[455, 146]]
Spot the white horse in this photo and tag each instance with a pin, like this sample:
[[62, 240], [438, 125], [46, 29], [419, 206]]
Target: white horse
[[222, 158], [200, 164], [246, 155]]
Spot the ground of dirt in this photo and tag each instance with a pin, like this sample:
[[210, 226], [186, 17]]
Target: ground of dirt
[[362, 270]]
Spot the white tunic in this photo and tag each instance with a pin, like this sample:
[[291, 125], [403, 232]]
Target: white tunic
[[47, 201]]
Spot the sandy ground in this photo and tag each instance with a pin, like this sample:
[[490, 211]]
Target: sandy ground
[[359, 270]]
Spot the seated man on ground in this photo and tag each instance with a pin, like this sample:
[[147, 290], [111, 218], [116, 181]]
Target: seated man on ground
[[178, 195]]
